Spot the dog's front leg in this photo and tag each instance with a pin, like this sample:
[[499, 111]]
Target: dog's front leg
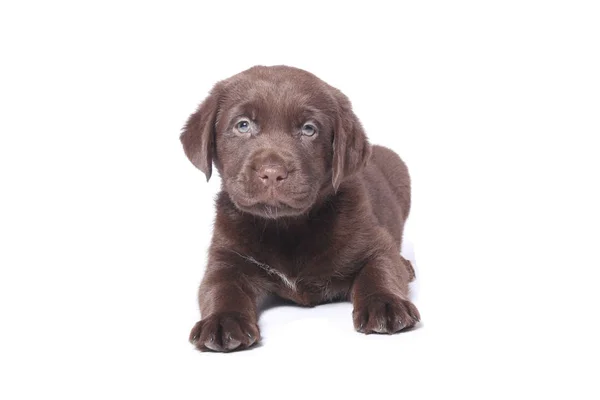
[[380, 296], [228, 303]]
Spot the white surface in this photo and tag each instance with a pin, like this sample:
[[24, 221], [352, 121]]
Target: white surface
[[104, 224]]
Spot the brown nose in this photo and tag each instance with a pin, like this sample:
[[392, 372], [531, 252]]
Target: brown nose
[[272, 173]]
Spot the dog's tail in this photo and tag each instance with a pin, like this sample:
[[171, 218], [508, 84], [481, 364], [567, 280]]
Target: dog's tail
[[409, 268]]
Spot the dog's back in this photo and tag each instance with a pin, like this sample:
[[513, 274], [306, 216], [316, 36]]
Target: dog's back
[[388, 184]]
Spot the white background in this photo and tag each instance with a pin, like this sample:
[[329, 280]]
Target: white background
[[104, 224]]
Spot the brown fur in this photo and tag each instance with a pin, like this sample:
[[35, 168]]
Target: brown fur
[[308, 218]]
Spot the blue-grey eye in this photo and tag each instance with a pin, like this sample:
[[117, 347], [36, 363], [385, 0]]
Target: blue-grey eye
[[308, 130], [243, 126]]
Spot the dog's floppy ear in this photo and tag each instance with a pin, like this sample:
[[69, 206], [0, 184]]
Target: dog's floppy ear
[[198, 136], [351, 149]]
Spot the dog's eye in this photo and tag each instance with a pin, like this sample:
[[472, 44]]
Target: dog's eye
[[308, 130], [243, 126]]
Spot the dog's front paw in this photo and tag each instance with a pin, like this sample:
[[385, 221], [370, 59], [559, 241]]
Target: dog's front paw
[[384, 314], [224, 332]]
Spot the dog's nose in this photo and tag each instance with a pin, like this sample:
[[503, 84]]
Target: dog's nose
[[272, 173]]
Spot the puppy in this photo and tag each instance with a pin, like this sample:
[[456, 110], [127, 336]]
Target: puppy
[[308, 210]]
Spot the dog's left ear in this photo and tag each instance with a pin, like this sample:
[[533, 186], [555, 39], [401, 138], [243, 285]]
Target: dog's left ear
[[351, 149], [198, 136]]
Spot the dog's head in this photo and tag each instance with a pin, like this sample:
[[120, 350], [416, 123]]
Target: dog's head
[[280, 138]]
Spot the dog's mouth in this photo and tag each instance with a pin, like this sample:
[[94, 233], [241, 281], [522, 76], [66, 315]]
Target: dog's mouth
[[273, 210], [272, 207], [273, 204]]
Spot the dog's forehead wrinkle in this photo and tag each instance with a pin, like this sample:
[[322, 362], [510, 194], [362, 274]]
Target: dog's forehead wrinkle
[[278, 91]]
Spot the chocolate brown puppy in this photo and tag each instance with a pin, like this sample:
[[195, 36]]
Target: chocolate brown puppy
[[308, 209]]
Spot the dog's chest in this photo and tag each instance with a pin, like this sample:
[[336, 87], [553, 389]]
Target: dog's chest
[[305, 281], [304, 264]]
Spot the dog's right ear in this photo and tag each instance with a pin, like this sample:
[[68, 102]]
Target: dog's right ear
[[198, 136]]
